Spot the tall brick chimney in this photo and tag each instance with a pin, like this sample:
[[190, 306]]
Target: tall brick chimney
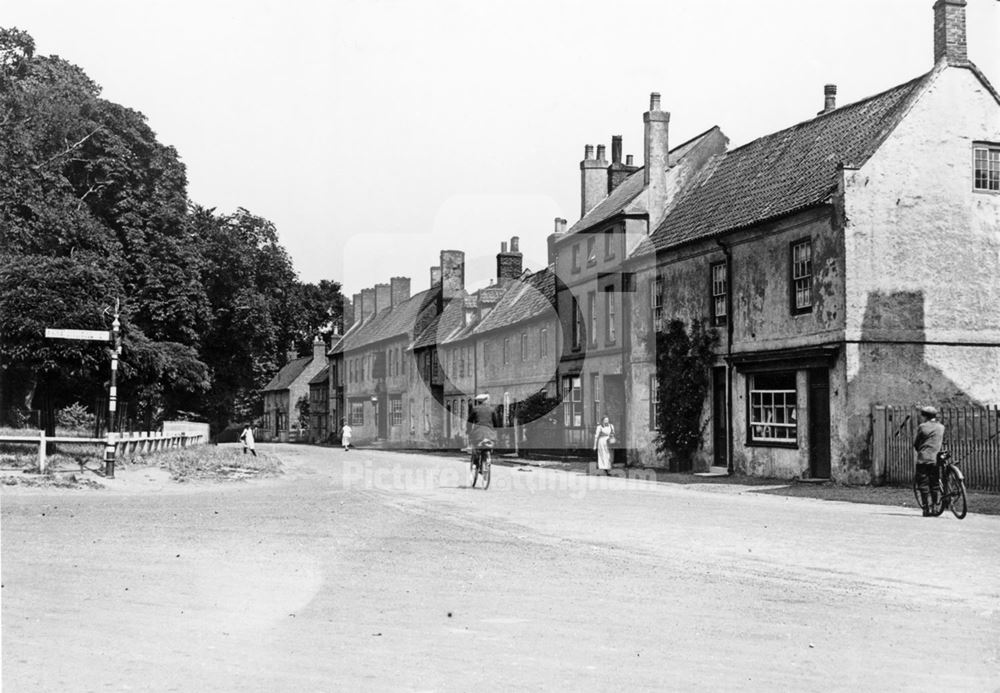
[[367, 304], [949, 32], [452, 274], [400, 290], [509, 263], [435, 276], [656, 149], [617, 171], [383, 297], [593, 179], [319, 349]]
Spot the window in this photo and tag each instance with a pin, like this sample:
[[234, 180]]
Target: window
[[987, 168], [801, 284], [720, 289], [576, 258], [543, 342], [654, 403], [609, 245], [524, 346], [591, 251], [773, 415], [576, 323], [609, 312], [656, 301], [357, 413], [572, 402], [395, 411], [595, 390], [592, 305]]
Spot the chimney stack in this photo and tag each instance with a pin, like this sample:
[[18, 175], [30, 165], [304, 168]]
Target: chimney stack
[[593, 179], [616, 149], [358, 309], [617, 171], [367, 304], [383, 297], [656, 148], [509, 263], [435, 276], [319, 349], [829, 98], [452, 274], [400, 290], [949, 32], [629, 159]]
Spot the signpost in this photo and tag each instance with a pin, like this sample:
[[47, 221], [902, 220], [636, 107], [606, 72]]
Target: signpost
[[113, 336]]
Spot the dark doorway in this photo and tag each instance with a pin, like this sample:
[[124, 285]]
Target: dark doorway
[[720, 419], [614, 407], [382, 417], [819, 423]]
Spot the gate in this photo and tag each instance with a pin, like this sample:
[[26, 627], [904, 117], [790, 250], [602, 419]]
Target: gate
[[972, 434]]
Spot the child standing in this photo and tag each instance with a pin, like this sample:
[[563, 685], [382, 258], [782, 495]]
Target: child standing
[[345, 435]]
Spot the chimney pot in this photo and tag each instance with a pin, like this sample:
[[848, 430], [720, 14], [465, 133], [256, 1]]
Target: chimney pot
[[629, 160], [600, 152], [616, 149], [654, 101], [588, 152], [503, 246], [514, 242], [829, 97], [435, 276]]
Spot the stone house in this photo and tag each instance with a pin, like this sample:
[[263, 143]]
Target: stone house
[[846, 261], [319, 406], [290, 384]]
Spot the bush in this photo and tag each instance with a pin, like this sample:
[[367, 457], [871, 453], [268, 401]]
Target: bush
[[75, 417]]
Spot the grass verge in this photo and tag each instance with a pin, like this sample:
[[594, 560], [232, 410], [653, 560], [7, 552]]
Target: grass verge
[[210, 462]]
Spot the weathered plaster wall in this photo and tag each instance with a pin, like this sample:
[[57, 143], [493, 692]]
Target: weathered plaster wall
[[923, 257]]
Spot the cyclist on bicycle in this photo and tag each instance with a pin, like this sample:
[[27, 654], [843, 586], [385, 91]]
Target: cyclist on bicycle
[[928, 442], [480, 426]]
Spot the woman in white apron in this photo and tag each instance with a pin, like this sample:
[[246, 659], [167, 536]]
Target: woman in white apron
[[603, 437]]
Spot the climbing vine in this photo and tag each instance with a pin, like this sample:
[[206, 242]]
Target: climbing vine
[[683, 374]]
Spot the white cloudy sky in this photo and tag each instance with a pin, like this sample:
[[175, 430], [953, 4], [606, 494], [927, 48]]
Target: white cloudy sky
[[375, 133]]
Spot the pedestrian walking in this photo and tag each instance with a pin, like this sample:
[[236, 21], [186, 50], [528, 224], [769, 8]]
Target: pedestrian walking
[[247, 438], [927, 443], [345, 435], [604, 436]]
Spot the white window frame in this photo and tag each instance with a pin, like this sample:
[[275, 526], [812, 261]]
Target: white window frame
[[720, 293], [773, 413], [573, 401], [986, 168], [802, 276], [656, 302], [395, 411]]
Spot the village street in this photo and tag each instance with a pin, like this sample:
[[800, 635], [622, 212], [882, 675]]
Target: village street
[[376, 570]]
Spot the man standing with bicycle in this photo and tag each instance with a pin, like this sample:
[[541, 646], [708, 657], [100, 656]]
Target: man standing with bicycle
[[928, 442]]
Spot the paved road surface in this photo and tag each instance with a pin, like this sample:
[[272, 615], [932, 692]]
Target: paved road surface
[[385, 573]]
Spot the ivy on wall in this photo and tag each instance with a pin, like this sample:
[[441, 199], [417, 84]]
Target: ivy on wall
[[683, 374]]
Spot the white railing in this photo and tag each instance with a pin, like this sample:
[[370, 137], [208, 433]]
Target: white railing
[[125, 443]]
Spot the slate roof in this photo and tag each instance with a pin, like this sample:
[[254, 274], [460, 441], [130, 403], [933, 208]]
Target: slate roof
[[525, 300], [391, 323], [785, 171], [444, 326], [321, 377], [620, 198], [287, 374]]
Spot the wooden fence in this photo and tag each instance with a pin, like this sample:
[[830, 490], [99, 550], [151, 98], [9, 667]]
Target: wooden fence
[[972, 434], [125, 443]]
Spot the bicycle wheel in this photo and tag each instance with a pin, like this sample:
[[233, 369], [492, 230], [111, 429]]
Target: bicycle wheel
[[473, 472], [956, 495], [485, 471], [916, 493]]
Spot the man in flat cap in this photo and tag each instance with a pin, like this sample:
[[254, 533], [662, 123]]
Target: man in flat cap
[[930, 438]]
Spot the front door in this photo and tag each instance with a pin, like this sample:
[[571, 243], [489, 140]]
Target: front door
[[819, 423], [720, 419], [614, 407], [382, 417]]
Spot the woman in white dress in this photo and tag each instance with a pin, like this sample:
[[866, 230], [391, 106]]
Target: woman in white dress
[[604, 432], [345, 435]]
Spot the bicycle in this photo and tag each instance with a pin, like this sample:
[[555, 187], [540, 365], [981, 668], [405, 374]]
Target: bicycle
[[951, 488], [480, 468]]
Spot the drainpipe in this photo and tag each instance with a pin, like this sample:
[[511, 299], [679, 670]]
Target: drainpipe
[[729, 355]]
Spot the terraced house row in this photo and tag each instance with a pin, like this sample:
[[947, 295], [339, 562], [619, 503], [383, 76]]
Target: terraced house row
[[847, 261]]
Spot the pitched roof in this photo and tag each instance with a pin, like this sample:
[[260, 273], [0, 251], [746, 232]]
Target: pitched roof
[[621, 197], [287, 374], [444, 326], [395, 321], [321, 377], [785, 171], [525, 300]]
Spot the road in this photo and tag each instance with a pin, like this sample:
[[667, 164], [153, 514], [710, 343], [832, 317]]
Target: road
[[371, 570]]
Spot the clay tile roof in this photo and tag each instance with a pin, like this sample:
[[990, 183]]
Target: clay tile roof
[[785, 171], [321, 377], [287, 375], [391, 323], [525, 300], [443, 327]]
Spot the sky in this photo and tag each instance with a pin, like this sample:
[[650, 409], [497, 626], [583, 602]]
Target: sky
[[376, 133]]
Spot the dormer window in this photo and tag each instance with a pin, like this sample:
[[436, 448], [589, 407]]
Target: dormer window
[[986, 167]]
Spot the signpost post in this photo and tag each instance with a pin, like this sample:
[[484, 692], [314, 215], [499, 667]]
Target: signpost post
[[113, 336]]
